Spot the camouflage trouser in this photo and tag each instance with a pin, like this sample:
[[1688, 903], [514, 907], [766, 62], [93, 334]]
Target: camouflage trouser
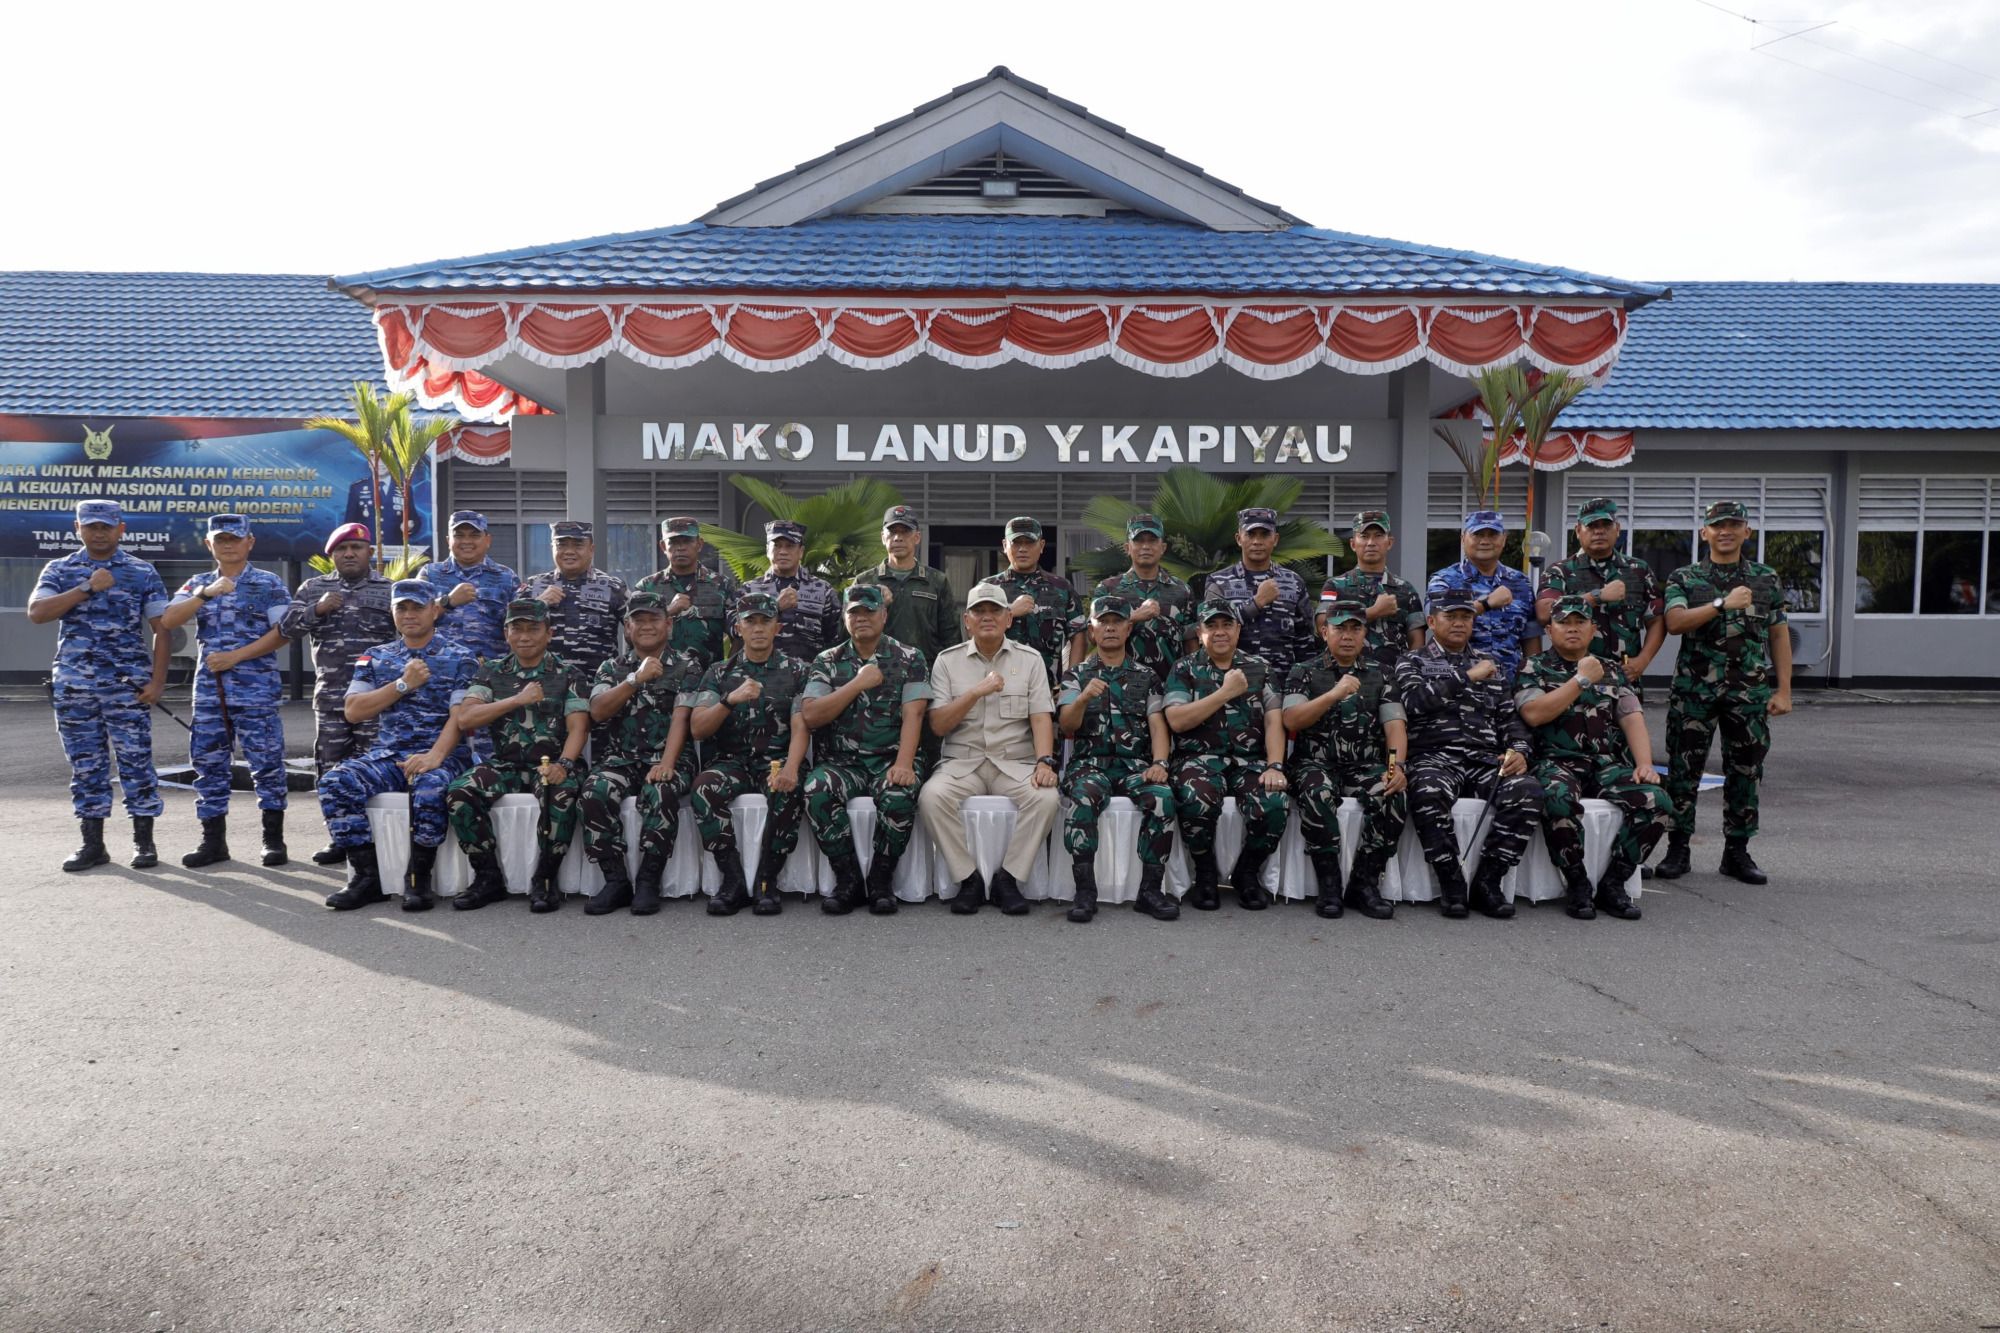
[[93, 727], [1088, 787], [1567, 782], [1201, 781], [830, 786], [262, 737], [1317, 790], [335, 739], [727, 779], [470, 799], [659, 807], [344, 793], [1692, 719], [1516, 804]]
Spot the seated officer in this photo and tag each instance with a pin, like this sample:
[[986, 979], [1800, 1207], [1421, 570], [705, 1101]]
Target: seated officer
[[1593, 743], [540, 720], [1229, 740]]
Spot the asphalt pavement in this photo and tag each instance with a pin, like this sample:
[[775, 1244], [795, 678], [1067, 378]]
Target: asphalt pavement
[[226, 1108]]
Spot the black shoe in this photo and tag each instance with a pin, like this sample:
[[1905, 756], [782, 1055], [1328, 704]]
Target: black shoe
[[1332, 893], [1203, 895], [1488, 898], [882, 884], [330, 855], [848, 892], [732, 895], [1007, 894], [767, 900], [1248, 881], [92, 852], [617, 890], [646, 884], [1577, 896], [214, 844], [417, 895], [544, 894], [1451, 889], [364, 881], [1675, 863], [488, 884], [1364, 886], [1083, 906], [1736, 863], [971, 894], [1612, 899], [274, 838], [144, 854], [1153, 899]]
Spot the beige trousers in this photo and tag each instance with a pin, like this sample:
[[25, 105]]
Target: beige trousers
[[944, 795]]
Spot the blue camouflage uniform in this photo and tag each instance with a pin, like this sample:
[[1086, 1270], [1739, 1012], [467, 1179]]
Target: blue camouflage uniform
[[362, 619], [476, 625], [103, 660], [1500, 631], [240, 706]]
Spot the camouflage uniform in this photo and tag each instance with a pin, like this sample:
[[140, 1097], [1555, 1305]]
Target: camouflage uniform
[[697, 631], [853, 753], [583, 627], [1499, 632], [637, 740], [1724, 678], [1109, 755], [1458, 728], [811, 627], [522, 740], [752, 742], [1342, 754], [1224, 756], [1621, 625], [1158, 643], [1280, 633], [476, 625], [241, 705], [408, 726], [362, 621], [102, 661], [1389, 637], [923, 614], [1047, 628]]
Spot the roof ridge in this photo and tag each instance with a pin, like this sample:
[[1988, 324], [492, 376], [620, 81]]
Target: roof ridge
[[338, 283], [146, 273]]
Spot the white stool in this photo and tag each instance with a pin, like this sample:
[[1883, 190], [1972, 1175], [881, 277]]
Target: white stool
[[913, 873], [989, 823], [1118, 865], [1534, 879], [1296, 873], [683, 873], [1228, 846], [389, 826], [749, 813]]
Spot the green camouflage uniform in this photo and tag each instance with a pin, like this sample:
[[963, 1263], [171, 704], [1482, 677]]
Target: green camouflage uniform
[[854, 752], [923, 614], [753, 740], [1162, 641], [523, 739], [1621, 625], [1224, 756], [1723, 678], [697, 631], [1388, 638], [1343, 754], [637, 738], [1109, 755], [1047, 628], [1582, 753]]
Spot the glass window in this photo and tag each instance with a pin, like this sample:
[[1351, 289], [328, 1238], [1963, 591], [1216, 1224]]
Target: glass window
[[1885, 574], [1992, 577], [1950, 582], [630, 551], [17, 581], [1665, 549], [1796, 557]]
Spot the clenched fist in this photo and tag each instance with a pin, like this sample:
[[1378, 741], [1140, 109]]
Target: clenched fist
[[680, 603], [788, 600], [328, 604], [649, 669], [1613, 591], [1235, 683], [1349, 687], [461, 594], [744, 693], [530, 695], [222, 587], [1385, 605], [1147, 609], [1022, 605], [1267, 592], [1739, 598], [1481, 669], [869, 676], [1499, 597], [415, 672], [1094, 690], [1590, 669], [991, 683], [100, 579], [552, 595]]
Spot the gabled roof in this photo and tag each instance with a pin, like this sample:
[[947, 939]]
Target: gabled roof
[[271, 345], [1806, 355]]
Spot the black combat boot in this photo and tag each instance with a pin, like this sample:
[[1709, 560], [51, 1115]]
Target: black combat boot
[[488, 884], [646, 885], [1083, 906], [332, 854], [1364, 886], [971, 895], [1487, 895], [1248, 881], [1451, 889], [1203, 895], [274, 838], [1577, 895], [364, 881], [882, 884], [214, 844], [617, 890], [417, 895], [848, 892], [1326, 871], [92, 852], [1007, 894], [1153, 899], [732, 895], [768, 901], [1736, 862], [144, 854], [1612, 899], [1675, 863], [544, 894]]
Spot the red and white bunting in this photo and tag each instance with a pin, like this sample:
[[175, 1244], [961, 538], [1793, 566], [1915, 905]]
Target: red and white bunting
[[1563, 450]]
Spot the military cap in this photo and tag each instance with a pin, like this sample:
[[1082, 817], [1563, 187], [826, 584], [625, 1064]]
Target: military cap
[[347, 532], [1344, 608], [466, 518], [785, 529], [1111, 604], [901, 514], [867, 596], [571, 530], [987, 594], [1453, 596], [1371, 518], [228, 525], [1485, 520], [1024, 527], [413, 590], [644, 599], [1248, 520], [757, 604], [1726, 509], [100, 511], [1571, 604], [1216, 607], [1139, 523], [1590, 511], [680, 527], [527, 608]]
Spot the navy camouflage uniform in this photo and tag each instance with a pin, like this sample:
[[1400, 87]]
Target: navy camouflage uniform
[[811, 627], [1280, 633], [753, 741], [522, 740], [853, 753], [239, 707], [1457, 729], [1499, 633], [362, 620], [1343, 754], [583, 627], [1225, 755], [637, 740], [409, 726]]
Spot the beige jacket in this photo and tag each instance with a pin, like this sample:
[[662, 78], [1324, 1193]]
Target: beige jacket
[[997, 727]]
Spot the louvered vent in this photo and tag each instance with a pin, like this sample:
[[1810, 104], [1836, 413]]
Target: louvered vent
[[1902, 503]]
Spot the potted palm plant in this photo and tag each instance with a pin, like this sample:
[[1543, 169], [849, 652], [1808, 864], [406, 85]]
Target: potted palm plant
[[843, 528], [1199, 514]]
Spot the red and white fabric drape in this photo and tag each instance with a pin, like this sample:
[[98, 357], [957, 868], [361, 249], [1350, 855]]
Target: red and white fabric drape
[[486, 446], [1563, 450]]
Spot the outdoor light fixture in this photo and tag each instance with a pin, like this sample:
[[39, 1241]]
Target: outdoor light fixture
[[1538, 548], [1000, 187]]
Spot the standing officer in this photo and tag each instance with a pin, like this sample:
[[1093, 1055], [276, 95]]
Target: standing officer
[[237, 611], [1110, 708], [1734, 671], [923, 613], [104, 682], [345, 612], [1593, 742], [1162, 621], [1044, 606], [746, 713], [412, 685], [1343, 706], [474, 587], [585, 603], [866, 698], [808, 607], [1506, 630], [1394, 606], [639, 703], [1271, 601], [1623, 594], [1229, 740], [697, 602], [540, 719], [1466, 739]]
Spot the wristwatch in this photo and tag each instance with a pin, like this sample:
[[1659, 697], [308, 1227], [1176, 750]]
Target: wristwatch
[[1717, 603], [632, 679], [1279, 765], [1048, 759], [402, 686]]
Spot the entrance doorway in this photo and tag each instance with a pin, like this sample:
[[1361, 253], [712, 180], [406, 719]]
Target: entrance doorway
[[969, 553]]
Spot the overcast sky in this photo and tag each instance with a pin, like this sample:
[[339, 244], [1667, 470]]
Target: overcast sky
[[1639, 138]]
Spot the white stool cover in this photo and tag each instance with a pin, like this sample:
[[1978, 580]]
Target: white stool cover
[[913, 873], [1118, 865], [1297, 875], [1534, 879], [749, 814], [581, 875], [989, 823], [389, 826], [1228, 846]]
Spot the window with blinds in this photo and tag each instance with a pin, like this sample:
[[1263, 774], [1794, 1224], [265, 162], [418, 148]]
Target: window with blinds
[[1927, 546]]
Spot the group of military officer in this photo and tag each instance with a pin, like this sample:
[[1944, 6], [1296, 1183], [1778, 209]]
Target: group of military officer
[[468, 684]]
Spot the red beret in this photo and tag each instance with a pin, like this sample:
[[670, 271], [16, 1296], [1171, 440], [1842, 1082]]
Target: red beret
[[348, 532]]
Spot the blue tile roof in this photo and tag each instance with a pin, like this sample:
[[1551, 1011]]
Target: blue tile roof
[[276, 345], [1806, 355], [891, 253]]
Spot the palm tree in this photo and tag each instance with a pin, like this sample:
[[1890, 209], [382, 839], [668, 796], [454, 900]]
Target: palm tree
[[843, 528], [1502, 390], [407, 452], [1199, 514], [404, 566], [374, 416], [1538, 412]]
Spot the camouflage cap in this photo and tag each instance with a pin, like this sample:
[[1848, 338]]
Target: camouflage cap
[[1591, 511], [865, 596], [100, 511], [1249, 520], [1485, 520], [347, 532], [1726, 509], [466, 518], [784, 529], [1140, 523], [1453, 596], [527, 608], [228, 525], [680, 527], [1024, 527], [901, 515], [756, 604], [644, 600], [571, 530], [1569, 605], [413, 590], [1217, 608], [1111, 604], [1371, 518], [1342, 609]]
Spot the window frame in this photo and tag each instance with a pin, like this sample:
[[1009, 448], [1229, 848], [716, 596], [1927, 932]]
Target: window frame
[[1921, 524]]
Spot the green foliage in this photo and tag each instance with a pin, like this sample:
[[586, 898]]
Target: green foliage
[[320, 564], [374, 419], [1501, 392], [404, 568], [406, 453], [1538, 412], [1199, 514], [843, 528]]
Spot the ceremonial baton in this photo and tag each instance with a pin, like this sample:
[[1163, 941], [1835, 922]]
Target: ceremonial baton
[[1486, 815], [185, 726]]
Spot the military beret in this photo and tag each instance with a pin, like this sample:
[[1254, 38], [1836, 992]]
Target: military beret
[[1248, 520], [527, 608], [571, 530], [1571, 604], [757, 604], [1343, 609], [867, 596], [413, 590], [1371, 518], [100, 511], [1590, 511], [901, 515], [645, 600], [347, 532], [1217, 608], [1111, 604], [1024, 527], [1139, 523], [1725, 509], [786, 529], [680, 527], [228, 525]]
